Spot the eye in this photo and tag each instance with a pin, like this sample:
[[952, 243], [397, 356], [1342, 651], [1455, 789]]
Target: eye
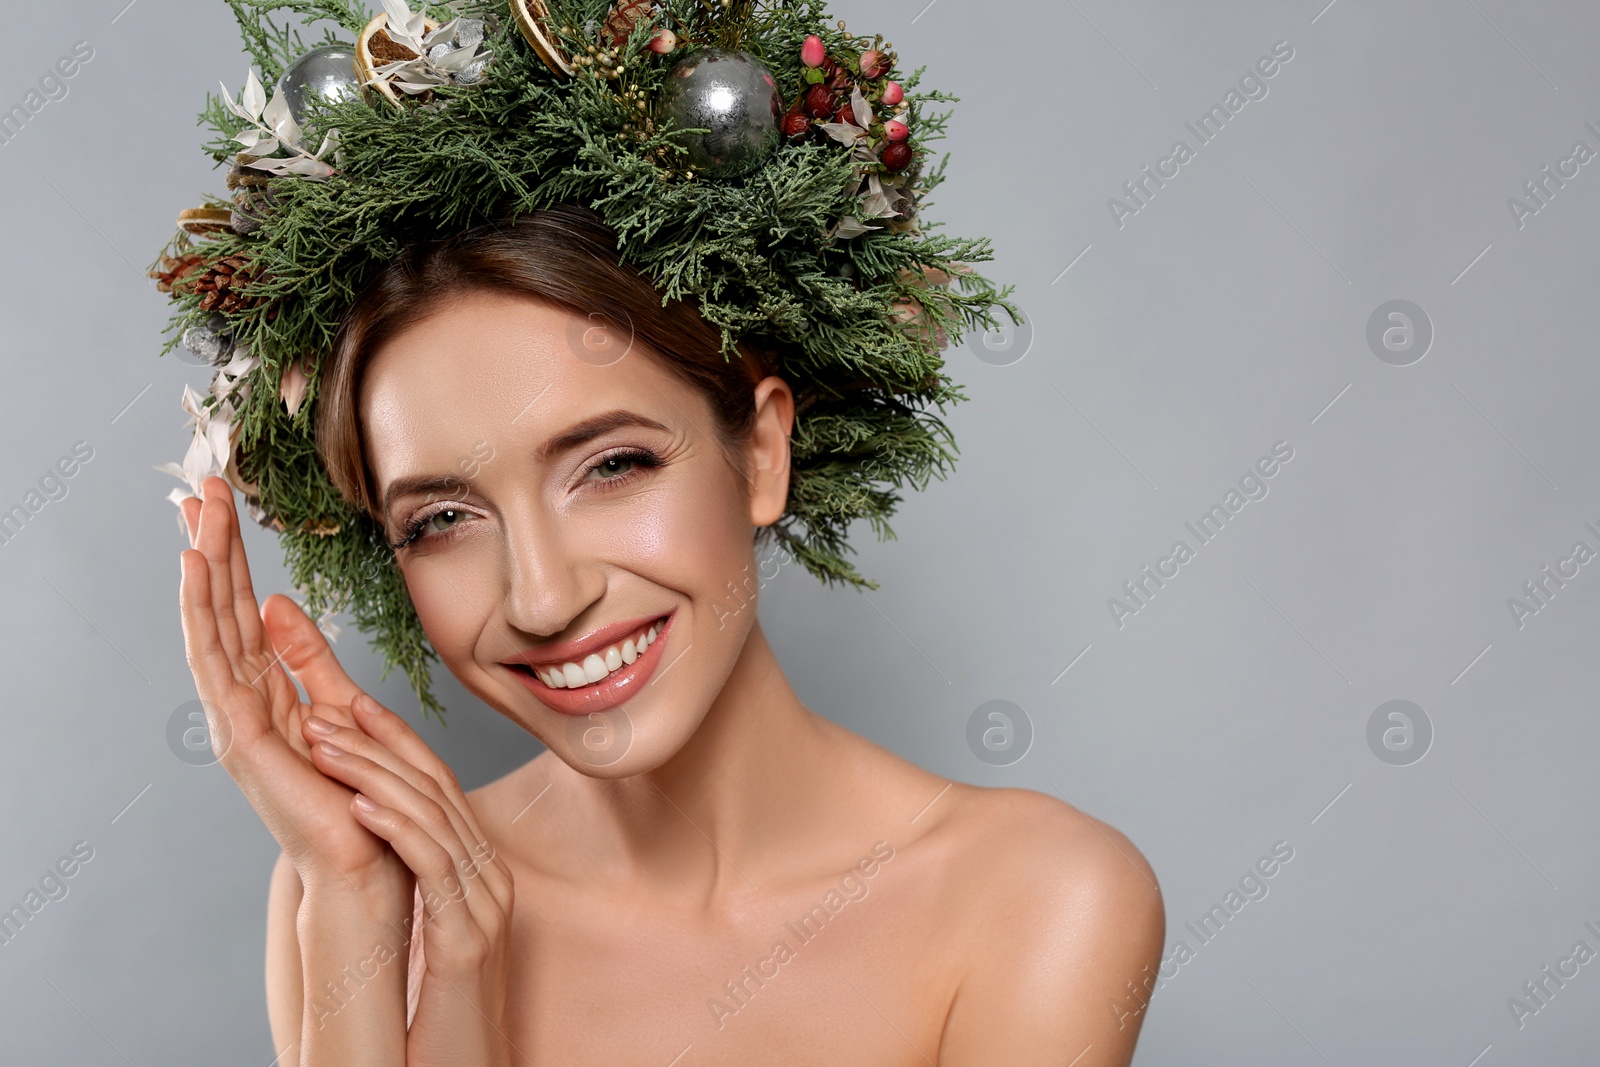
[[441, 521], [613, 467], [435, 526], [621, 466]]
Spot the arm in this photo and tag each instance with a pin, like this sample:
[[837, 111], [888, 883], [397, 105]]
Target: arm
[[336, 974], [1067, 953], [284, 995], [461, 904], [357, 891]]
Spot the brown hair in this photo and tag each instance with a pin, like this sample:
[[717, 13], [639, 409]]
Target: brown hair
[[563, 255]]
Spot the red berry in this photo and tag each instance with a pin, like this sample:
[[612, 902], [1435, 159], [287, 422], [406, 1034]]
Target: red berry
[[811, 51], [893, 93], [895, 130], [796, 124], [897, 155], [819, 101], [873, 64], [845, 114]]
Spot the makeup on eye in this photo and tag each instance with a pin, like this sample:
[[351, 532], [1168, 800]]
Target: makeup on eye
[[610, 471], [415, 530], [631, 458]]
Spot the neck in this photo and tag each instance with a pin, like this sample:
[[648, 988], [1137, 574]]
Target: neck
[[729, 805]]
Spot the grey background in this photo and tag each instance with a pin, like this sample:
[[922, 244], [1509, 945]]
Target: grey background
[[1230, 713]]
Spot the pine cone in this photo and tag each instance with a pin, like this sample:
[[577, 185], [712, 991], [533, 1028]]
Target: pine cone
[[174, 269], [623, 18], [218, 286]]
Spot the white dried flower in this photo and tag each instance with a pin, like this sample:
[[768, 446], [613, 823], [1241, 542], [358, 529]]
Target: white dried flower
[[273, 128]]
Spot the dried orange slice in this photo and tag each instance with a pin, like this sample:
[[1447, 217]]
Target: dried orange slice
[[533, 19], [375, 47], [204, 220]]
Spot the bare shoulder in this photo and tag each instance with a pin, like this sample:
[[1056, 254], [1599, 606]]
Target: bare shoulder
[[1042, 844], [1016, 845], [1069, 920]]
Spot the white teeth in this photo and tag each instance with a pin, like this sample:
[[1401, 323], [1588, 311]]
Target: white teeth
[[596, 666]]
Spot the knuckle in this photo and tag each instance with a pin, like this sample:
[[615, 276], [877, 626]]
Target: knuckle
[[505, 898], [443, 869], [493, 931], [476, 948], [403, 823], [439, 825], [434, 792]]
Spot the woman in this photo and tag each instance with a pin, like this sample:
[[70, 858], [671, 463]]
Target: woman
[[699, 870]]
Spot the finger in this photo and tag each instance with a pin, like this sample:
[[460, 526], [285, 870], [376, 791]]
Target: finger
[[397, 735], [468, 846], [307, 655], [202, 641], [475, 854], [216, 544], [417, 812], [190, 507], [246, 612], [452, 929]]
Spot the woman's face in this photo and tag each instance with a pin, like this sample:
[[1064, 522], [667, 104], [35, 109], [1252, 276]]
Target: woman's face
[[577, 538]]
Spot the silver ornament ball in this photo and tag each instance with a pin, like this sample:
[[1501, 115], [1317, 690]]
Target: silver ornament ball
[[328, 72], [209, 343], [732, 96]]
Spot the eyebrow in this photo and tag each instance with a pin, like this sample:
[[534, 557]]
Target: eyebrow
[[572, 437]]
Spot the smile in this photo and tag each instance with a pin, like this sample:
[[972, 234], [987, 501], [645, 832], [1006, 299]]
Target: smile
[[598, 666], [596, 672]]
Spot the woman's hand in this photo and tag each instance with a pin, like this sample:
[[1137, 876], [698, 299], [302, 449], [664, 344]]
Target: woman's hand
[[242, 658], [408, 796]]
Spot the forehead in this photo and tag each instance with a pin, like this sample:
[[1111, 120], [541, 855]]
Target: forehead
[[500, 368]]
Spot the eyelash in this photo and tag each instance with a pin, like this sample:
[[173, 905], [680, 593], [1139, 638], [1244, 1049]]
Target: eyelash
[[642, 458]]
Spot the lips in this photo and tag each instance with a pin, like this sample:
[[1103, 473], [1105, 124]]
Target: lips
[[596, 672]]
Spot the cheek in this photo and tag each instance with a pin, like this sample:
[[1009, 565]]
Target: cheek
[[689, 534], [455, 594]]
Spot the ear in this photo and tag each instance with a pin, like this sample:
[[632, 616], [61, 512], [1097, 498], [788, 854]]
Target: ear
[[768, 449]]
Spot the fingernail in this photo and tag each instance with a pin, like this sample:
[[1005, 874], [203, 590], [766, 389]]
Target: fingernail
[[364, 804], [330, 749], [320, 725]]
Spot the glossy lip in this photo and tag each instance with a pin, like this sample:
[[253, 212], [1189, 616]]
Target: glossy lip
[[574, 650], [614, 689]]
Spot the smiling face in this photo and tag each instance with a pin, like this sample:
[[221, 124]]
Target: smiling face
[[570, 533]]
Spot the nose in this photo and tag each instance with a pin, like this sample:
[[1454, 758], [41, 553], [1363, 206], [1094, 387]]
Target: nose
[[550, 580]]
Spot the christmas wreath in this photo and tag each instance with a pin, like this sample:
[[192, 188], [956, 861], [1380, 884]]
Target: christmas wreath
[[749, 156]]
